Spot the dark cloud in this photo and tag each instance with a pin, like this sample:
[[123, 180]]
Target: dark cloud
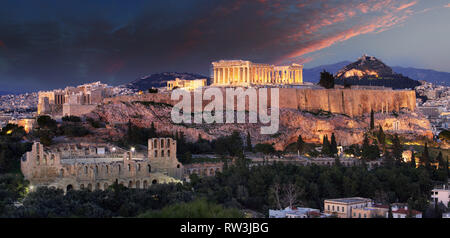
[[116, 41]]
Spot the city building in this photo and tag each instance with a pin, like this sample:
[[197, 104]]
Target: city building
[[96, 166], [189, 85], [343, 207], [370, 212], [73, 101], [295, 212], [441, 194], [245, 73]]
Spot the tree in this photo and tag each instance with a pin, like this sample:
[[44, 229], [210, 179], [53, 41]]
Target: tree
[[326, 147], [372, 120], [413, 159], [300, 144], [425, 159], [397, 150], [440, 160], [46, 122], [326, 80], [382, 138], [249, 146], [333, 145]]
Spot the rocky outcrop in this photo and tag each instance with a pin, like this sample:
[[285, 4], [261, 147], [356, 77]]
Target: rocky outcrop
[[293, 122]]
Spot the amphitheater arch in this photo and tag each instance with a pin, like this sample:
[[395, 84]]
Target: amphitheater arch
[[69, 187], [145, 184], [105, 186], [138, 184], [154, 181], [89, 187]]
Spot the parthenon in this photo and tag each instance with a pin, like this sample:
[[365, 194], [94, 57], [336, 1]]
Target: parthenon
[[240, 72]]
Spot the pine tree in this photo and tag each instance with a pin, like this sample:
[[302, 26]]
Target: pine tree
[[425, 159], [326, 80], [249, 146], [372, 120], [365, 150], [413, 159], [326, 150], [300, 144], [397, 149], [333, 145], [440, 160], [381, 137]]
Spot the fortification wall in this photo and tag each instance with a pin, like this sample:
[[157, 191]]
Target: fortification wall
[[351, 102]]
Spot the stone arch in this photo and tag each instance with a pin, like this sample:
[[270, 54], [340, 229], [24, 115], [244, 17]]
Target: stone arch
[[85, 170], [81, 186], [69, 187], [130, 184], [106, 169], [154, 181], [149, 167], [211, 172], [52, 159], [145, 184], [45, 160], [97, 186], [105, 186], [89, 187], [129, 167], [61, 173], [138, 184]]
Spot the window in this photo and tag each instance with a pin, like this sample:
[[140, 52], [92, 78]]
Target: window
[[129, 167], [149, 168], [365, 216], [156, 153], [168, 153], [337, 208], [343, 209], [139, 167], [328, 207], [333, 207], [162, 153], [85, 170]]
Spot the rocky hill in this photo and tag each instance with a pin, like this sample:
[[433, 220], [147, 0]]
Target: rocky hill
[[431, 76], [160, 80], [312, 126], [369, 70]]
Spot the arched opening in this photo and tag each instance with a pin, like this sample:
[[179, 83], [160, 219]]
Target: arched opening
[[211, 172], [85, 170], [69, 187], [154, 181], [105, 186], [145, 184], [97, 186], [178, 166], [129, 167], [149, 168], [107, 169], [61, 173], [138, 184], [89, 187], [130, 184], [82, 186]]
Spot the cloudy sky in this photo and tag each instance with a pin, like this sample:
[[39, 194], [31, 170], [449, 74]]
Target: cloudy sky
[[50, 43]]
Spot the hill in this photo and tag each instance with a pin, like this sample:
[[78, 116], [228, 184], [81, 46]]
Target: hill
[[369, 70], [160, 80]]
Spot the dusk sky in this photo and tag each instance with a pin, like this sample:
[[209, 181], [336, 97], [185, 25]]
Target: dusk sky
[[50, 44]]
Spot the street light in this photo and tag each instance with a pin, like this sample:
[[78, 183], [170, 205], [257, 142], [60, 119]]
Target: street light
[[133, 149]]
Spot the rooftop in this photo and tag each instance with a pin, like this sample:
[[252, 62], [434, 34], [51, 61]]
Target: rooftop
[[349, 200]]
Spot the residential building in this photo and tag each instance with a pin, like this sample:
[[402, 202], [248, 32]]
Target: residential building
[[343, 207]]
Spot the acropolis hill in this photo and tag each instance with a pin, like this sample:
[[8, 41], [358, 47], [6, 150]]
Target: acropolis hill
[[350, 102]]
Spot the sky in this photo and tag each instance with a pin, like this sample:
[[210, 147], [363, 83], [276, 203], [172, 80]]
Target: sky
[[50, 44]]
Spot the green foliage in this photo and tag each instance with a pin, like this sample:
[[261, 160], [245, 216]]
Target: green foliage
[[94, 123], [326, 80], [326, 146], [46, 122], [372, 120], [229, 145], [444, 135], [369, 152], [333, 145], [397, 149], [265, 149], [300, 144], [251, 188], [12, 188], [113, 202], [138, 135], [199, 208], [248, 146], [71, 119], [74, 130]]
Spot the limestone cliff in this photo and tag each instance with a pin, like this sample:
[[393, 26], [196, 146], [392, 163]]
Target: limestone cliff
[[293, 122]]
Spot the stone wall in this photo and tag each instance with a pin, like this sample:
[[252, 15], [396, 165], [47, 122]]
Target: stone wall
[[351, 102]]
